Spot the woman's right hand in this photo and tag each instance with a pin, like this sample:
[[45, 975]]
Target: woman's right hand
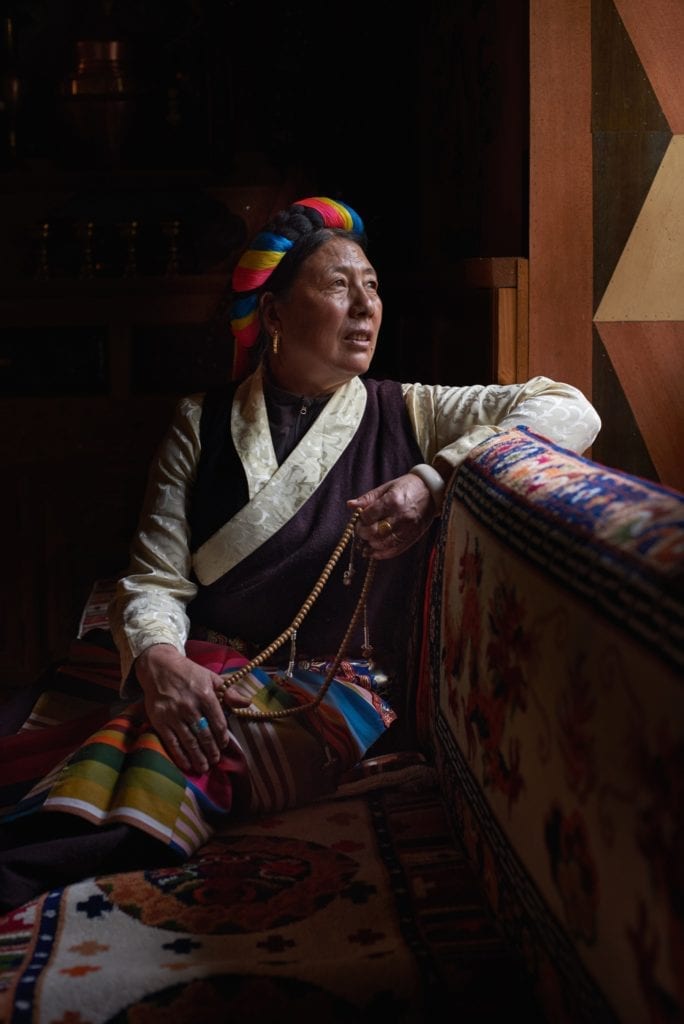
[[178, 694]]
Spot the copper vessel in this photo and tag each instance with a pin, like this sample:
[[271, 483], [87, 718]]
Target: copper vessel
[[98, 100]]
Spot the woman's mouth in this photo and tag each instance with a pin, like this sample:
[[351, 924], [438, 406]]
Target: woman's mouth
[[360, 338]]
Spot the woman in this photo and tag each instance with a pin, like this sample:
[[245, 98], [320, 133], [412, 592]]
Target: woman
[[251, 490]]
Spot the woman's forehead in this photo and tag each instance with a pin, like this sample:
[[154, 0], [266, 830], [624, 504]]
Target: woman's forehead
[[336, 253]]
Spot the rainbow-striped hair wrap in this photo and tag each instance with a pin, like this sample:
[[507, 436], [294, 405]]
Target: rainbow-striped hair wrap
[[258, 262]]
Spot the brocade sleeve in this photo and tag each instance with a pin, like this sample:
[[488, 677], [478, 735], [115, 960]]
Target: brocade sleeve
[[449, 421], [150, 600]]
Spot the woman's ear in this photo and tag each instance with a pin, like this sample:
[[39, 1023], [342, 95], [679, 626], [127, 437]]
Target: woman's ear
[[269, 315]]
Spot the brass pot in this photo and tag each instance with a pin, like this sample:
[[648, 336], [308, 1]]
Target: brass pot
[[98, 100]]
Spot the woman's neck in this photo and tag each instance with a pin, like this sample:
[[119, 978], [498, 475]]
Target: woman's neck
[[299, 387]]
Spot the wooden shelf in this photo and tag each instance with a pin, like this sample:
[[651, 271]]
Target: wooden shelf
[[179, 299], [184, 298]]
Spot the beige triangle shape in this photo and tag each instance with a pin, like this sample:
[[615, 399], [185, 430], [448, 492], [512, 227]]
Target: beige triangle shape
[[648, 281]]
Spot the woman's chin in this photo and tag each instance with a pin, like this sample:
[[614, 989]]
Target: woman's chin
[[359, 359]]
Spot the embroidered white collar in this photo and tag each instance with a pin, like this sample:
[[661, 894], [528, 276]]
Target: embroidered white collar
[[276, 492]]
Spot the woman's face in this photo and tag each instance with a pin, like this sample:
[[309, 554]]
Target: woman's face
[[329, 321]]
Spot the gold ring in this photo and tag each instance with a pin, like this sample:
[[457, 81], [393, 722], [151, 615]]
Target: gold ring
[[385, 528]]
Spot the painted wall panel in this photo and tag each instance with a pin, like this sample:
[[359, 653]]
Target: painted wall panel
[[561, 191], [630, 138], [657, 31], [648, 281]]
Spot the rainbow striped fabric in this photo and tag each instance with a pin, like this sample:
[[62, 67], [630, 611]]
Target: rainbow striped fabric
[[84, 751]]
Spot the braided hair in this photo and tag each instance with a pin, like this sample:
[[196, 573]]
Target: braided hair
[[272, 262]]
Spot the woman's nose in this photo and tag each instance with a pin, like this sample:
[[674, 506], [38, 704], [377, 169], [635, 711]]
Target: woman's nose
[[363, 302]]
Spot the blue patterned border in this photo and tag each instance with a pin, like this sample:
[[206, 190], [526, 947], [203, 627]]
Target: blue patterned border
[[559, 537], [45, 930]]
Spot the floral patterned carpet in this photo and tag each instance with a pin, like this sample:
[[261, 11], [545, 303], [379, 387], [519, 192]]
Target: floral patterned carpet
[[357, 908]]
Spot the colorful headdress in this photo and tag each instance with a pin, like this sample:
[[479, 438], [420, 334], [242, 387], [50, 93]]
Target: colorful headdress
[[258, 262]]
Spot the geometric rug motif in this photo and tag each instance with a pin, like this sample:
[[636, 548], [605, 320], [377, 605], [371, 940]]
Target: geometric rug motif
[[351, 909]]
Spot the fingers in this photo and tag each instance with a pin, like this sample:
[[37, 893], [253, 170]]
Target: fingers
[[231, 696], [386, 537], [192, 751], [365, 501], [193, 743], [393, 516], [376, 524], [199, 740], [385, 540], [184, 709]]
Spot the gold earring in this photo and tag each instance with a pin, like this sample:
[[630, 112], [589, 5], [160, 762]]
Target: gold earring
[[274, 342]]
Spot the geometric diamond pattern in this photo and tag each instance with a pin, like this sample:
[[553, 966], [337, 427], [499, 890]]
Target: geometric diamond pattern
[[648, 359], [638, 95], [656, 28], [648, 281]]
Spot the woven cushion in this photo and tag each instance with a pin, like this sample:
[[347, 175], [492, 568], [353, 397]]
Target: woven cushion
[[557, 718]]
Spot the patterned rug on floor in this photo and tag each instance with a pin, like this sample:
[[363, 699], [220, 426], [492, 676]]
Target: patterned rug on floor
[[358, 909]]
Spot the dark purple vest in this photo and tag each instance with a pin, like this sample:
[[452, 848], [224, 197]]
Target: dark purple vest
[[258, 598]]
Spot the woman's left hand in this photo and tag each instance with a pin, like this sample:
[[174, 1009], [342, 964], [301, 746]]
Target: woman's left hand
[[394, 515]]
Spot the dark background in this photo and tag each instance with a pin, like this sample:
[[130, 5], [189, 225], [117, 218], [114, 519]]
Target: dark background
[[416, 117], [123, 214]]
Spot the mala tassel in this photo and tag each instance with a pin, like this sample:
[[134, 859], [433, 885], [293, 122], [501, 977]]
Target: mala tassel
[[293, 654]]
